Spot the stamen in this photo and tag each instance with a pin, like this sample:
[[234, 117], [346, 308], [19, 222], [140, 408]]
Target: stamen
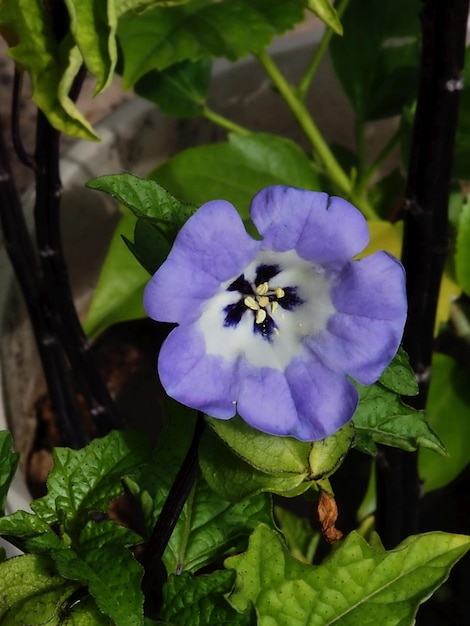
[[274, 306], [262, 289], [251, 303], [263, 301], [260, 316], [280, 293]]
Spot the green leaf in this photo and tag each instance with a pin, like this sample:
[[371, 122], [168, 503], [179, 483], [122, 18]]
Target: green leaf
[[209, 526], [461, 157], [122, 6], [52, 66], [146, 199], [8, 463], [399, 375], [119, 292], [199, 601], [381, 417], [93, 26], [301, 539], [462, 253], [447, 410], [109, 570], [326, 13], [179, 90], [86, 480], [234, 479], [236, 171], [230, 28], [376, 60], [23, 525], [358, 584], [29, 576]]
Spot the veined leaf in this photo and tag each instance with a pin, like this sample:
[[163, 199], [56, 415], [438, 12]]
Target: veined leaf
[[199, 601], [358, 584], [229, 28], [8, 463]]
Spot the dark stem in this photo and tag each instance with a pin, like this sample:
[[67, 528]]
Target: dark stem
[[20, 251], [54, 268], [166, 522], [20, 150], [425, 244]]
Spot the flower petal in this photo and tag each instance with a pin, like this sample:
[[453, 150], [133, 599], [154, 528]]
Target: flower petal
[[323, 229], [325, 400], [189, 375], [363, 336], [212, 247]]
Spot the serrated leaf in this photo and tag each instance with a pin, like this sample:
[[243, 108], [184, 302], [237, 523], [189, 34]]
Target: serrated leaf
[[199, 601], [52, 66], [376, 60], [447, 411], [208, 525], [236, 170], [326, 13], [8, 464], [381, 417], [93, 26], [118, 294], [86, 480], [358, 584], [21, 524], [146, 199], [399, 375], [230, 28], [234, 479], [462, 252], [109, 570], [180, 90]]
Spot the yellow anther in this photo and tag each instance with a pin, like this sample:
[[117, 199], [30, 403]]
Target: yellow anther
[[260, 316], [280, 293], [262, 289], [263, 301], [274, 307], [251, 303]]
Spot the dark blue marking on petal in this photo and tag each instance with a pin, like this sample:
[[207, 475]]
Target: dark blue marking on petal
[[264, 273], [290, 300], [241, 285], [266, 328], [234, 313]]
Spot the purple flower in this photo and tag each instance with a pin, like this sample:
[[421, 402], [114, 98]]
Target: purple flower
[[271, 329]]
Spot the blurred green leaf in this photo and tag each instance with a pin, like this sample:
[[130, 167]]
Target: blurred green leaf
[[229, 28], [93, 26], [357, 584], [461, 158], [381, 417], [301, 539], [326, 13], [52, 66], [376, 60], [236, 171], [448, 412], [118, 294], [199, 601], [179, 90], [462, 252], [8, 464]]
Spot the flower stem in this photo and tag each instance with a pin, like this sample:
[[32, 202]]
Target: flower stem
[[224, 122], [166, 522], [307, 78], [425, 243], [321, 149]]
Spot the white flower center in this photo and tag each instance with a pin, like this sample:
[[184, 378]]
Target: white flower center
[[265, 313]]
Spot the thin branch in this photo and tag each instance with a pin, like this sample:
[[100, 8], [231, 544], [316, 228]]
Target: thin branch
[[425, 243], [22, 256], [21, 152]]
